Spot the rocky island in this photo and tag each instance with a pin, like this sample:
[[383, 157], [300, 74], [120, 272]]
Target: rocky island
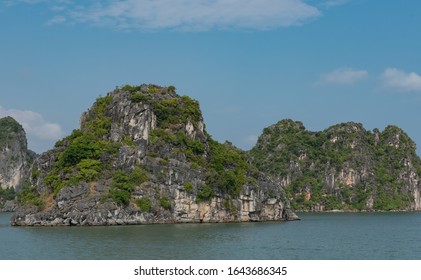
[[142, 156], [344, 167]]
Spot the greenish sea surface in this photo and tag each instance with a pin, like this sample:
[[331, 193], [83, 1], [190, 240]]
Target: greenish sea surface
[[319, 236]]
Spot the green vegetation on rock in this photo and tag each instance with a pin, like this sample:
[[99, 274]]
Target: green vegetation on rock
[[165, 203], [188, 187], [205, 193], [7, 194], [9, 128], [30, 197], [344, 167], [144, 204], [123, 184]]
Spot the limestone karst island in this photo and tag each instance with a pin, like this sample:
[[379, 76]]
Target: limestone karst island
[[142, 155]]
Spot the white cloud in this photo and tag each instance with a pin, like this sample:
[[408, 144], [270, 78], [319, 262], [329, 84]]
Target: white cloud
[[40, 132], [399, 80], [56, 20], [343, 76], [192, 15]]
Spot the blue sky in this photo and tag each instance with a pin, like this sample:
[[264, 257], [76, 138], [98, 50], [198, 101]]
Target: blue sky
[[249, 63]]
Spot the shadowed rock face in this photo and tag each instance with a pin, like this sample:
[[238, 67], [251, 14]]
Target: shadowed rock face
[[142, 155], [15, 158], [344, 167]]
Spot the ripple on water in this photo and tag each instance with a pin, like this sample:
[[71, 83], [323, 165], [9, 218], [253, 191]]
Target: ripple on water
[[316, 236]]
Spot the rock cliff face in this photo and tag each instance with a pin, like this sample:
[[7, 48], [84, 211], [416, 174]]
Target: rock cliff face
[[142, 155], [344, 167], [15, 158], [15, 161]]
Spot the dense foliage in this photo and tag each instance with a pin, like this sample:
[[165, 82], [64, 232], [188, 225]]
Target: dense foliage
[[30, 197], [7, 194], [123, 184]]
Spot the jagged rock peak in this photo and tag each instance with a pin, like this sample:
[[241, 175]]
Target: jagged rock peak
[[158, 106], [287, 124], [395, 137]]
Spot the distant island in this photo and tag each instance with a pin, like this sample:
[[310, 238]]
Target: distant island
[[344, 167], [142, 155]]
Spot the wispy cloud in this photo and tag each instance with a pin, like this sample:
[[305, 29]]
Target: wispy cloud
[[333, 3], [395, 79], [38, 130], [57, 8], [198, 15], [56, 20], [13, 2], [343, 76]]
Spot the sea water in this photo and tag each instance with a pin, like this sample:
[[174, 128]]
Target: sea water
[[318, 236]]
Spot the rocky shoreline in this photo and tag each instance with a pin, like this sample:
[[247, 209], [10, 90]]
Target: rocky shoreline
[[77, 207], [33, 220], [9, 206]]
